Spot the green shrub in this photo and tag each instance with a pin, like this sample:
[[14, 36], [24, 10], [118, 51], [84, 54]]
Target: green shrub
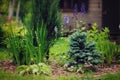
[[82, 51], [14, 39], [10, 28], [20, 42], [5, 54], [101, 37]]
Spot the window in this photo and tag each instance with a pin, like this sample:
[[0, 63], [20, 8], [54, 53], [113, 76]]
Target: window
[[68, 5]]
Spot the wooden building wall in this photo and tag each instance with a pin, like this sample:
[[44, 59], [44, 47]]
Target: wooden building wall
[[94, 13]]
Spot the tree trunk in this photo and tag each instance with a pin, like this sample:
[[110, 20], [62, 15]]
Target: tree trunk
[[17, 11], [11, 9]]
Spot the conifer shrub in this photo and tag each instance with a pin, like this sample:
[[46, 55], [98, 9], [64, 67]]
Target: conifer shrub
[[82, 51]]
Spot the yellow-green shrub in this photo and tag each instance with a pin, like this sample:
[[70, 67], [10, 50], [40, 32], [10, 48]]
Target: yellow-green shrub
[[18, 29]]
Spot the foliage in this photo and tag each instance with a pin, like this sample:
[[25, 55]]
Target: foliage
[[4, 54], [117, 53], [3, 20], [82, 51], [37, 52], [59, 50], [1, 37], [110, 76], [25, 8], [4, 6], [48, 12], [101, 37], [9, 76], [14, 33], [12, 27], [41, 37], [19, 40], [35, 69]]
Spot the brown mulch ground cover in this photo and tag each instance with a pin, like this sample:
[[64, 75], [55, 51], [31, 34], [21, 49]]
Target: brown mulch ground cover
[[58, 70], [7, 65]]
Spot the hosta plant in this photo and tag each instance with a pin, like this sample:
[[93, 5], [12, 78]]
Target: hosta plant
[[83, 52], [35, 69]]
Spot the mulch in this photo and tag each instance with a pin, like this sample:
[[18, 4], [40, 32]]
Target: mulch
[[57, 70], [7, 65]]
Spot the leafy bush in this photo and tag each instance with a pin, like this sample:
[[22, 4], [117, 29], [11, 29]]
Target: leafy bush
[[82, 51], [9, 28], [101, 37], [14, 39], [5, 54], [36, 69], [19, 40]]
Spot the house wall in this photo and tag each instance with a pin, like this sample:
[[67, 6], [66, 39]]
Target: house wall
[[94, 13]]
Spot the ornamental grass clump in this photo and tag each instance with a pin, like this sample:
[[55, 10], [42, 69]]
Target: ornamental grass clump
[[49, 13]]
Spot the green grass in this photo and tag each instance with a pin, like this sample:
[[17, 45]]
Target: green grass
[[61, 46], [59, 50], [8, 76], [110, 76]]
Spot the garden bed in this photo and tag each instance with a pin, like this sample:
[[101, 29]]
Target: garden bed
[[58, 70]]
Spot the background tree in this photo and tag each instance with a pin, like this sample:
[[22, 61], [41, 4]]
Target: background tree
[[4, 6], [18, 10], [23, 7], [11, 9]]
